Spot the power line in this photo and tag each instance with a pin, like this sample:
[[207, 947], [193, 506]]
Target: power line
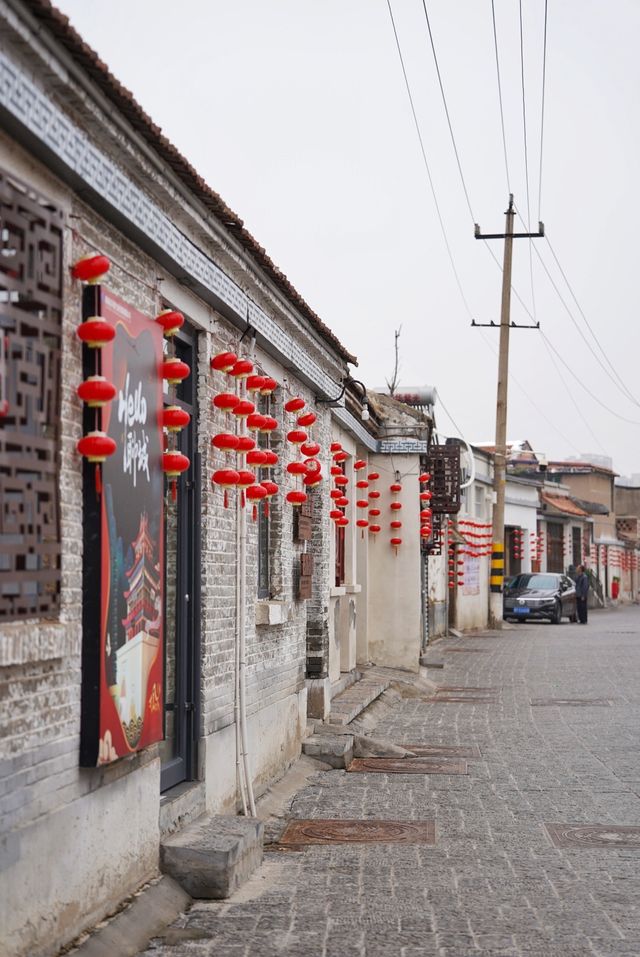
[[426, 164], [446, 110], [584, 387], [526, 160], [544, 77], [504, 138]]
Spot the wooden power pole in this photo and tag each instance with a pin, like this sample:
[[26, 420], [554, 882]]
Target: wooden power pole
[[500, 462]]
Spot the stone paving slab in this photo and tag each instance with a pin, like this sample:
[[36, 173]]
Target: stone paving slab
[[493, 884]]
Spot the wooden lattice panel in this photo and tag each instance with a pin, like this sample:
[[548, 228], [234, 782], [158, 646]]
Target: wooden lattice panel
[[30, 331]]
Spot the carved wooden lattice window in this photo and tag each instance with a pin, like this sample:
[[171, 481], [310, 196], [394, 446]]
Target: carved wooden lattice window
[[30, 333]]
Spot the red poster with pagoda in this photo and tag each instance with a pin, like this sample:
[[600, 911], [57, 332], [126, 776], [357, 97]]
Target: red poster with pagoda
[[129, 521]]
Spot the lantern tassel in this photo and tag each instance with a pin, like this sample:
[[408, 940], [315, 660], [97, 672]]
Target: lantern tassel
[[266, 509], [226, 498], [98, 479], [255, 512], [242, 499], [174, 490]]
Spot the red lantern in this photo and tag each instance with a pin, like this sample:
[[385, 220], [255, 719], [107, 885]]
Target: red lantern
[[170, 320], [341, 480], [395, 488], [374, 512], [426, 514], [245, 444], [243, 409], [310, 448], [335, 447], [96, 391], [297, 436], [173, 464], [256, 457], [343, 501], [241, 369], [271, 490], [359, 464], [424, 478], [362, 523], [255, 493], [90, 268], [426, 496], [96, 446], [307, 419], [224, 361], [255, 421], [270, 385], [294, 405], [336, 470], [396, 524], [335, 493], [375, 529], [226, 401], [296, 498], [335, 514], [297, 468], [245, 479], [343, 522], [271, 459], [269, 424], [312, 479], [340, 456], [313, 465], [255, 383], [96, 332], [396, 542], [173, 418], [425, 532], [374, 494], [362, 484], [396, 506], [225, 442], [362, 503], [226, 479], [373, 476], [174, 370]]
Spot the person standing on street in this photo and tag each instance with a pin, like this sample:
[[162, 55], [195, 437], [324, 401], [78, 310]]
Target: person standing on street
[[582, 590]]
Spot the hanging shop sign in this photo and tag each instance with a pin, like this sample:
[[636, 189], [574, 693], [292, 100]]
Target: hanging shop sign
[[122, 690]]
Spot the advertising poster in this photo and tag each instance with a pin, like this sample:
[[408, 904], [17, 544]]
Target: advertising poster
[[471, 576], [129, 518]]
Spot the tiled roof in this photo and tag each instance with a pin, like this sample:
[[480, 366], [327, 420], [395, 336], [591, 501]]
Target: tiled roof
[[562, 503], [579, 467], [58, 25]]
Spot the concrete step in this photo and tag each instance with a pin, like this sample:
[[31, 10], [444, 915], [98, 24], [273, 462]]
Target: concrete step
[[214, 856], [333, 749], [346, 680], [350, 703]]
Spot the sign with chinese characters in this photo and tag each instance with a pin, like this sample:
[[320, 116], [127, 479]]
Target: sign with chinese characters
[[124, 546], [471, 576]]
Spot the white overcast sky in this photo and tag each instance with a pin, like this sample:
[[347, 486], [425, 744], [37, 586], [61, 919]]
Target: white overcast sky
[[296, 112]]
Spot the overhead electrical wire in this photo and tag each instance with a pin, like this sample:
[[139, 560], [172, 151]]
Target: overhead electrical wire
[[504, 138], [426, 164], [526, 161], [544, 83]]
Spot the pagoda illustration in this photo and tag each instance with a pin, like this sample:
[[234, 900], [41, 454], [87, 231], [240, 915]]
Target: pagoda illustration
[[141, 624]]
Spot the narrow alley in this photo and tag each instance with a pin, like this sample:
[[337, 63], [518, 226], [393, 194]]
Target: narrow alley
[[535, 831]]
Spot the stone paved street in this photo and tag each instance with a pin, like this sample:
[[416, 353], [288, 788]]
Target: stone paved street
[[493, 883]]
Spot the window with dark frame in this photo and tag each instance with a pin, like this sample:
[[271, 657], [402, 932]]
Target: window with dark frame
[[577, 546], [264, 532], [340, 540]]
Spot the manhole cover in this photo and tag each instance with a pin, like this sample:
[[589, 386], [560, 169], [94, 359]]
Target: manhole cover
[[462, 699], [570, 702], [359, 832], [408, 766], [482, 651], [444, 750], [594, 835]]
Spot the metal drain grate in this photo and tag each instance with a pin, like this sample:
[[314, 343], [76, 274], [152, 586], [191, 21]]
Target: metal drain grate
[[408, 766], [358, 832], [594, 835], [570, 702], [444, 750]]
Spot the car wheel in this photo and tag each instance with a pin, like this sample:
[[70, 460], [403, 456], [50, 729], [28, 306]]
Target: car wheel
[[556, 619]]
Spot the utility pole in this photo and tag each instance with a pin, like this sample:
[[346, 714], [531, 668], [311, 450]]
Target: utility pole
[[500, 462]]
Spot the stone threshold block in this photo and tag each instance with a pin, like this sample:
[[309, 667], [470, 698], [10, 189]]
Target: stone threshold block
[[214, 856], [333, 749]]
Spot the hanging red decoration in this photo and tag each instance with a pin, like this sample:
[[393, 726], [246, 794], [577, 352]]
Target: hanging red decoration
[[362, 484], [375, 529], [96, 446], [91, 268], [359, 464], [312, 479], [343, 522], [395, 506], [395, 488], [96, 391], [362, 523], [225, 442], [174, 370], [426, 496], [245, 444], [342, 502], [226, 401], [310, 448], [335, 493], [173, 418], [243, 408], [296, 468], [373, 476], [269, 424], [270, 385], [245, 479], [271, 489], [255, 494], [294, 405], [396, 542], [171, 320], [335, 514], [396, 524], [296, 498], [313, 465], [336, 470], [226, 479], [307, 419], [335, 447], [256, 457], [374, 494], [424, 478], [341, 480], [255, 421], [224, 361], [96, 332], [340, 456], [254, 383], [241, 369], [425, 532], [374, 512], [425, 514], [297, 436], [174, 464], [362, 503], [271, 459]]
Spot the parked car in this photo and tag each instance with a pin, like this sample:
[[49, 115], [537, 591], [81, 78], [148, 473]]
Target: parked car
[[544, 595]]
